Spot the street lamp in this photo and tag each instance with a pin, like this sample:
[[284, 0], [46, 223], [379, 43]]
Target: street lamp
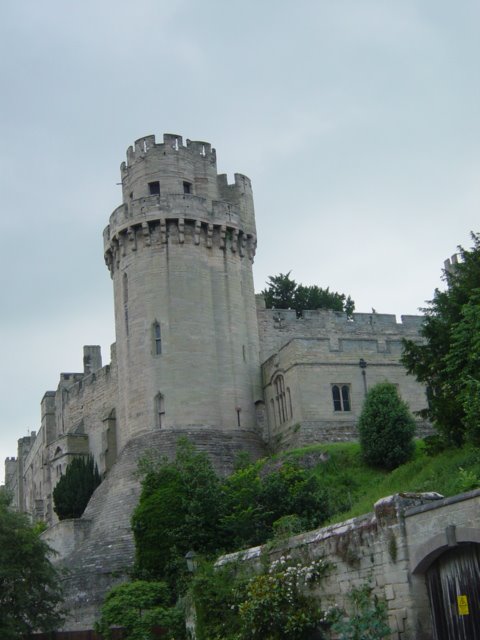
[[363, 365], [191, 558]]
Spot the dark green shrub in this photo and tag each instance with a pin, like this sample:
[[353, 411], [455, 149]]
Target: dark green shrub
[[368, 618], [75, 488], [179, 511], [138, 607], [386, 428]]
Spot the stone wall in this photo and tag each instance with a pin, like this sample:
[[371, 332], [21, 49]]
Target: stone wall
[[324, 349], [78, 419], [98, 549], [390, 549]]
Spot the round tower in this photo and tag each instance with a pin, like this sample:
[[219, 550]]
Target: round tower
[[180, 250]]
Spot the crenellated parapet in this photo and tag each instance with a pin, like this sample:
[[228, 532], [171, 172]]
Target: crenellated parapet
[[173, 194], [161, 231]]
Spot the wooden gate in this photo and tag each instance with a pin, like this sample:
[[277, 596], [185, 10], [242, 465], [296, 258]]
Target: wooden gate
[[453, 582]]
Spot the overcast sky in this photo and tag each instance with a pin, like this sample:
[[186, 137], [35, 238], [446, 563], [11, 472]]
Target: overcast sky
[[357, 121]]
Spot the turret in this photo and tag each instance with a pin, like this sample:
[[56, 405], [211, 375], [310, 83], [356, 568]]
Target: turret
[[180, 250]]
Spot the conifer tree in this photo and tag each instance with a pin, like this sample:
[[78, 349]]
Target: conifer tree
[[386, 428], [75, 488], [448, 359]]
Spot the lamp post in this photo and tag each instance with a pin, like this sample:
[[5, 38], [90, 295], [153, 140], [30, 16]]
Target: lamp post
[[363, 365], [191, 558]]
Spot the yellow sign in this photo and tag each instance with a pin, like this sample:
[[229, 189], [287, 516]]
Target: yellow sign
[[462, 602]]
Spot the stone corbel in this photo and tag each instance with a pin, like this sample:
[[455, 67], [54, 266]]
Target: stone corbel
[[196, 235], [132, 238], [243, 244], [163, 231], [121, 242], [234, 243], [252, 246], [109, 260], [181, 230], [210, 236], [223, 233], [146, 234]]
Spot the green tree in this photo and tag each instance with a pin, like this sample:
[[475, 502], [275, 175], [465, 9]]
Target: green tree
[[138, 607], [179, 510], [386, 428], [447, 361], [255, 499], [75, 488], [284, 293], [29, 584]]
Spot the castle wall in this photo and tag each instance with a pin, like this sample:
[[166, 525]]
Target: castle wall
[[189, 342], [389, 549], [78, 419], [323, 350], [277, 326], [98, 549]]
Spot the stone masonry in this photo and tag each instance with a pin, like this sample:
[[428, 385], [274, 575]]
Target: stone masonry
[[390, 550], [195, 353]]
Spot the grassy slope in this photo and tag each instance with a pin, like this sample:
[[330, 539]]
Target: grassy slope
[[354, 487]]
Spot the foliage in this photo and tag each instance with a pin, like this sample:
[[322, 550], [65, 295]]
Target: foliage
[[138, 606], [386, 428], [29, 584], [276, 605], [216, 592], [448, 360], [284, 293], [273, 605], [75, 488], [425, 472], [179, 511], [184, 506], [368, 620], [256, 497]]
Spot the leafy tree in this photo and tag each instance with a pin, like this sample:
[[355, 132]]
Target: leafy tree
[[255, 499], [284, 293], [75, 488], [138, 607], [29, 584], [386, 428], [448, 360], [179, 511]]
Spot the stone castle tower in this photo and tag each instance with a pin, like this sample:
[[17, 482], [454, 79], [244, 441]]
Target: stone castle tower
[[180, 250]]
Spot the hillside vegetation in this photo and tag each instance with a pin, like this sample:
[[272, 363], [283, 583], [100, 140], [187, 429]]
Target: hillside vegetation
[[347, 475]]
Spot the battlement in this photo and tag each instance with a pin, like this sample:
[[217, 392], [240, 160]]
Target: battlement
[[176, 179], [172, 194], [172, 143], [325, 318], [450, 264], [279, 326]]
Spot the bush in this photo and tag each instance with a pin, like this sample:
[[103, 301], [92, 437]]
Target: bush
[[368, 619], [139, 607], [75, 488], [386, 428], [179, 511]]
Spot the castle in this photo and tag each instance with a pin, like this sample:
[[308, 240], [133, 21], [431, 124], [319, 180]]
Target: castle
[[196, 353]]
